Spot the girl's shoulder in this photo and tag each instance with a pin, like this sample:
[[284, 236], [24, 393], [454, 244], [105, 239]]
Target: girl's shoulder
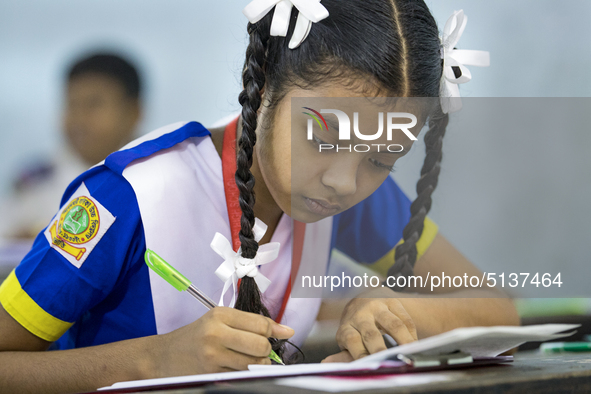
[[156, 143], [110, 180], [110, 194], [369, 231]]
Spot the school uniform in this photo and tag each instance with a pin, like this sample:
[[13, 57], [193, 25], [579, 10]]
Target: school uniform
[[85, 281]]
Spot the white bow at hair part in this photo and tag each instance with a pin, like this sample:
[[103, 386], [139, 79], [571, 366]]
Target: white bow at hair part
[[235, 266], [309, 11], [454, 60]]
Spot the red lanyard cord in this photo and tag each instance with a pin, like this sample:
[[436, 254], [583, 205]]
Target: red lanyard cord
[[234, 213]]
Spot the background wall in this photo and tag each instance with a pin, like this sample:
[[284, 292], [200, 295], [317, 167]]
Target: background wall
[[191, 51]]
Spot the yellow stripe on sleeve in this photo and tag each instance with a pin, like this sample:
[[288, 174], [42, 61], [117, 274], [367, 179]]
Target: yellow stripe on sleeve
[[429, 232], [26, 311]]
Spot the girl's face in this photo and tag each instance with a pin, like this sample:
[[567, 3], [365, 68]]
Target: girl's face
[[309, 184]]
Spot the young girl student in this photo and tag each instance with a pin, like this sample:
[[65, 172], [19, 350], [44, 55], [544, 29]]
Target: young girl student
[[85, 289]]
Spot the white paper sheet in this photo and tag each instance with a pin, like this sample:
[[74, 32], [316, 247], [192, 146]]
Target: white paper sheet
[[477, 341], [255, 371], [338, 384]]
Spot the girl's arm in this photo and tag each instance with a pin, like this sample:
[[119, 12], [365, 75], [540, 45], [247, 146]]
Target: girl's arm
[[407, 317], [483, 306], [224, 339], [25, 366]]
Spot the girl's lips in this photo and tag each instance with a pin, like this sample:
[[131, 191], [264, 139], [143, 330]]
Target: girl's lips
[[321, 207]]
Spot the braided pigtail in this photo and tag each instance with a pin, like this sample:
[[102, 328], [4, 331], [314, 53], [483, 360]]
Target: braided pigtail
[[253, 79], [406, 252]]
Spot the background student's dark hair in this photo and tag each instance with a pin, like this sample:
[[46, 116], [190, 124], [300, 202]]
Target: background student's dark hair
[[403, 62], [111, 65]]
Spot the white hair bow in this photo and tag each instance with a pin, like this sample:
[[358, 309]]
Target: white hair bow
[[310, 11], [454, 60], [235, 266]]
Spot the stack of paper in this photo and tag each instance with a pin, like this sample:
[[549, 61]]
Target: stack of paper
[[476, 341]]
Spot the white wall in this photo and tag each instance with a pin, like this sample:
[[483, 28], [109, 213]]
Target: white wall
[[514, 197]]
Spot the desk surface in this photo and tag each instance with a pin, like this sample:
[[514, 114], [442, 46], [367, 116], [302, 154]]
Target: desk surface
[[531, 372]]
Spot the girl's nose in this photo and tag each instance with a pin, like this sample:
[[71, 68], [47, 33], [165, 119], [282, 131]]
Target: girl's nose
[[341, 176]]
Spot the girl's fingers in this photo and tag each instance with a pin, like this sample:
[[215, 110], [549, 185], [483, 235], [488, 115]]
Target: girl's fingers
[[361, 334], [350, 339], [403, 315], [280, 331], [371, 336], [251, 322], [395, 327], [239, 361], [247, 343], [341, 357]]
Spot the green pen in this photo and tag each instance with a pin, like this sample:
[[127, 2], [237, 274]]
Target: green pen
[[180, 282], [561, 347]]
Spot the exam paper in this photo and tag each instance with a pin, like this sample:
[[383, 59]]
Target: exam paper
[[255, 371], [476, 341], [338, 384]]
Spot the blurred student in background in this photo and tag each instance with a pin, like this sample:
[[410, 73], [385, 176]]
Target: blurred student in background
[[101, 111]]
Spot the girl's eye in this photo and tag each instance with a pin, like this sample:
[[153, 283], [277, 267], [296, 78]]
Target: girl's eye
[[317, 140], [374, 162], [381, 165]]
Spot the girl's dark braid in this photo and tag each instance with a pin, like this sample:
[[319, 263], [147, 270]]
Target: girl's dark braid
[[406, 253], [253, 79]]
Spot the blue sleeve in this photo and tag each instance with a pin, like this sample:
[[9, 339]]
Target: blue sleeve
[[47, 292], [372, 228]]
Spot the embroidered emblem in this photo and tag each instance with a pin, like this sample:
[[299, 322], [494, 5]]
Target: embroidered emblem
[[78, 227], [79, 222]]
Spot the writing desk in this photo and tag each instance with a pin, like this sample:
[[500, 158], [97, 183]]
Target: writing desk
[[531, 372]]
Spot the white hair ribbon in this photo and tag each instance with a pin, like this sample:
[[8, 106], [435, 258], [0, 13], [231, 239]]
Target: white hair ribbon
[[454, 60], [235, 266], [309, 11]]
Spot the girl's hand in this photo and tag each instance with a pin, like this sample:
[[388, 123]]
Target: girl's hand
[[342, 357], [223, 339], [364, 321]]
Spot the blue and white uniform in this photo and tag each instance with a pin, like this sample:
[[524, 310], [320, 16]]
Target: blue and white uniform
[[85, 282]]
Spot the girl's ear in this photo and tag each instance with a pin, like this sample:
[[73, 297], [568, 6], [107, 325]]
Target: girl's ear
[[262, 100]]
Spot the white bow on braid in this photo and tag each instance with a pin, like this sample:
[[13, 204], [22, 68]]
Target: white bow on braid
[[454, 71], [235, 266], [310, 11]]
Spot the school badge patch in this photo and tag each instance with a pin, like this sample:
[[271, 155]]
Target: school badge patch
[[78, 227]]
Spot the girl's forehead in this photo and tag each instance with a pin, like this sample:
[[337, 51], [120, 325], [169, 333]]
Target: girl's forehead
[[358, 106], [328, 90]]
